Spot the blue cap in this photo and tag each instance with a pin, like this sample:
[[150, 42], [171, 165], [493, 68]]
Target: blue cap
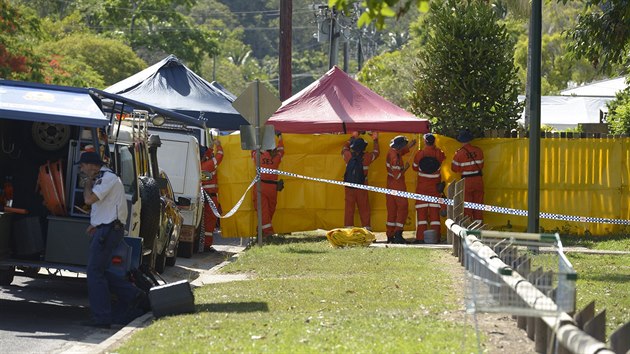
[[429, 138], [464, 136], [90, 157]]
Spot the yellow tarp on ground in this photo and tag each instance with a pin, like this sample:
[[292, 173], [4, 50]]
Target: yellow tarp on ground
[[581, 177]]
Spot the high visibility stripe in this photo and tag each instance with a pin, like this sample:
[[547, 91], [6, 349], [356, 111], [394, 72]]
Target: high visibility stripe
[[220, 152], [393, 167], [415, 164], [391, 175], [432, 205], [266, 226], [435, 223], [209, 186], [469, 163], [465, 173], [434, 175], [214, 159], [390, 223], [208, 233], [400, 225], [421, 223], [418, 206]]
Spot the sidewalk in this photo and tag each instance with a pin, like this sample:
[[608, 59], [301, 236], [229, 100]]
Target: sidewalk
[[199, 270]]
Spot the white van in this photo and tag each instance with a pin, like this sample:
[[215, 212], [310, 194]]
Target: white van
[[179, 157]]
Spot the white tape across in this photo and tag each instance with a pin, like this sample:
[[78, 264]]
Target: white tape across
[[428, 198]]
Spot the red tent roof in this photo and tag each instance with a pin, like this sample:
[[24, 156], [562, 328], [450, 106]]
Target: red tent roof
[[336, 103]]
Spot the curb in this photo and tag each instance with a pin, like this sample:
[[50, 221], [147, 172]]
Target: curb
[[206, 276]]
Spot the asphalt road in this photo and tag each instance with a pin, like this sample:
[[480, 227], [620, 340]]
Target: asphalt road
[[44, 314]]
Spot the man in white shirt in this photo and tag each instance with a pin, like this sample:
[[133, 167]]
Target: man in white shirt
[[105, 193]]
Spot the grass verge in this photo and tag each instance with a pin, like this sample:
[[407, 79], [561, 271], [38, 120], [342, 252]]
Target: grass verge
[[306, 297]]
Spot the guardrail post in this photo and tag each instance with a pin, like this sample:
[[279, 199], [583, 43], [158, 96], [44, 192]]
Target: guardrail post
[[587, 313], [620, 339], [541, 336], [596, 327]]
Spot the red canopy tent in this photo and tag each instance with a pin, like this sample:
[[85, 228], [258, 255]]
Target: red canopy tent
[[336, 103]]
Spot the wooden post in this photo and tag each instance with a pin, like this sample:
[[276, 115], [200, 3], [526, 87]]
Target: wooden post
[[620, 339], [286, 16], [596, 327], [587, 313], [541, 336]]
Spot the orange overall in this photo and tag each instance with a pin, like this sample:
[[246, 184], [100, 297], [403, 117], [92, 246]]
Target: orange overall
[[269, 192], [427, 213], [356, 196], [468, 161], [209, 164], [397, 207]]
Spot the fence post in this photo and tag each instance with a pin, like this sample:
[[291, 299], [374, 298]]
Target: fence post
[[587, 313], [620, 339], [596, 327]]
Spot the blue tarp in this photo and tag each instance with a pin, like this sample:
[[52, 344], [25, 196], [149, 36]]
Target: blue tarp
[[171, 85], [36, 102]]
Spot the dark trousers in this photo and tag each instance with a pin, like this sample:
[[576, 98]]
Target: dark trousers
[[101, 282]]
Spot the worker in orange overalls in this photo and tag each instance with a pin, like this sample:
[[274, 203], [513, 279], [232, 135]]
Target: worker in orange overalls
[[397, 207], [269, 194], [355, 148], [211, 160], [427, 162], [468, 161]]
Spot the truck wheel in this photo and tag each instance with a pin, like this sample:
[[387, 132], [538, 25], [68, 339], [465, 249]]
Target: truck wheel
[[185, 249], [50, 136], [201, 232], [6, 275], [149, 216], [170, 261], [160, 263]]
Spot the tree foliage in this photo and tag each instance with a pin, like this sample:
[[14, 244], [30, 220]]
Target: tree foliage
[[465, 76], [619, 113], [602, 34], [153, 28], [108, 60], [390, 75], [378, 11], [18, 30]]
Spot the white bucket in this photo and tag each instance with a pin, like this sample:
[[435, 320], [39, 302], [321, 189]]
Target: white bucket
[[430, 236]]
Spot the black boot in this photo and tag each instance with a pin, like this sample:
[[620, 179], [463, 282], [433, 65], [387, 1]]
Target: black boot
[[398, 237]]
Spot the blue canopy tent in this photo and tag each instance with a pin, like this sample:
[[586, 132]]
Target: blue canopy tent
[[171, 85]]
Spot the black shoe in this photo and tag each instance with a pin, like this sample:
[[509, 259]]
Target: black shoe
[[398, 238], [418, 242], [91, 323], [209, 249], [390, 240]]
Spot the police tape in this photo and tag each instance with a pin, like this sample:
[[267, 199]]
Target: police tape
[[440, 200], [214, 208]]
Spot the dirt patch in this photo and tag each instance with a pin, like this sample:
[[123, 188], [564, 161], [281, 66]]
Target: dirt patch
[[500, 330]]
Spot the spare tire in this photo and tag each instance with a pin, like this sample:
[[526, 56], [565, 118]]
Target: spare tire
[[149, 213]]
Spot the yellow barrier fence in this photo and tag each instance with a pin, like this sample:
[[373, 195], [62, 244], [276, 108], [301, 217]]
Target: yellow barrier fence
[[582, 177]]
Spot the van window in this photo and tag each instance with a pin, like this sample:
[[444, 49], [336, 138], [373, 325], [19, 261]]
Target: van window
[[127, 170]]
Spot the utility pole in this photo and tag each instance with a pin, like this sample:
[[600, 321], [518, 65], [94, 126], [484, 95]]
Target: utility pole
[[334, 36], [533, 107], [286, 28], [359, 54]]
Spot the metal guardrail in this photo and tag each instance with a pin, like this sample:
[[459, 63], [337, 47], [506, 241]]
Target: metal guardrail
[[553, 330]]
